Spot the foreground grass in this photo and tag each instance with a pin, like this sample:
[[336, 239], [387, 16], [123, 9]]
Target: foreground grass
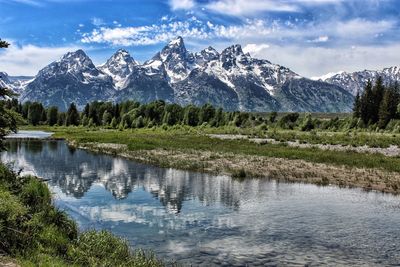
[[35, 233]]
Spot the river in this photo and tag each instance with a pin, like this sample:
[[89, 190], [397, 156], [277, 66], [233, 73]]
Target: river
[[202, 219]]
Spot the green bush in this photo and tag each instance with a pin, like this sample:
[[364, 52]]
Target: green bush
[[36, 195], [39, 234], [12, 213], [101, 248]]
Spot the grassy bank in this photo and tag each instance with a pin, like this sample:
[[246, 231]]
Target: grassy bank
[[35, 233], [191, 148], [190, 139]]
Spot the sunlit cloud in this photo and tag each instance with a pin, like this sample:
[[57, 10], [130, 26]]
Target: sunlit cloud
[[28, 59]]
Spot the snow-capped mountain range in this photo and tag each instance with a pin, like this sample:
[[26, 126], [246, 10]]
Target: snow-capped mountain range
[[354, 82], [230, 79], [15, 83]]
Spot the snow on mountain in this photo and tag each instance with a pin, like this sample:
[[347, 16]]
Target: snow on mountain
[[16, 83], [73, 78], [326, 76], [230, 79], [355, 81], [119, 67], [4, 80], [174, 61]]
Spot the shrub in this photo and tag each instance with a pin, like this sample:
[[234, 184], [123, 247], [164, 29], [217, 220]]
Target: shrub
[[36, 195]]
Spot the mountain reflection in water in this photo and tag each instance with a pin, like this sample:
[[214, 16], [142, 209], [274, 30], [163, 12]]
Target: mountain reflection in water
[[75, 171], [201, 219]]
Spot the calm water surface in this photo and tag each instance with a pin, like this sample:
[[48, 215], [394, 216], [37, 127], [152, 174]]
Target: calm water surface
[[201, 219]]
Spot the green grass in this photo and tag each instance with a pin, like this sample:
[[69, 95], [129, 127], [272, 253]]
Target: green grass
[[35, 233], [194, 139], [372, 139]]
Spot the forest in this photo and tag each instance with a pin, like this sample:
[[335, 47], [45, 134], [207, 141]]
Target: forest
[[377, 108]]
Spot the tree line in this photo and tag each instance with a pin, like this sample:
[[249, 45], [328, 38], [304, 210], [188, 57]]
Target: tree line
[[131, 114], [378, 104], [378, 107]]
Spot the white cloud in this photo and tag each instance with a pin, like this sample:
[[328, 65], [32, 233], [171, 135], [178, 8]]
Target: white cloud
[[255, 49], [146, 35], [320, 39], [252, 31], [182, 4], [26, 2], [318, 61], [248, 7], [360, 27], [254, 7], [28, 59]]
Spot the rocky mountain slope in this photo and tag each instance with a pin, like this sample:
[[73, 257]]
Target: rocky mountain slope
[[230, 79], [15, 83], [354, 82]]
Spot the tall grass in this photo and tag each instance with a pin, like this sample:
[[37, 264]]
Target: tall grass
[[37, 234], [188, 138]]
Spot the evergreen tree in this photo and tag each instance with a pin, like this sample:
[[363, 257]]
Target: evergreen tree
[[61, 119], [206, 114], [72, 115], [8, 121], [52, 116], [35, 113], [86, 110], [191, 116], [357, 106], [388, 108], [366, 103], [377, 95], [43, 116]]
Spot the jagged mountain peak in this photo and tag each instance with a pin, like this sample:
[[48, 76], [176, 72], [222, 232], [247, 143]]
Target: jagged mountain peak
[[355, 82], [392, 70], [122, 55], [235, 50], [210, 51], [74, 62], [178, 41], [78, 54], [230, 79], [175, 48], [121, 58], [119, 66], [4, 77]]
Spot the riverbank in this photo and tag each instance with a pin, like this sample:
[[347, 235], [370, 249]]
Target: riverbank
[[33, 232], [191, 149]]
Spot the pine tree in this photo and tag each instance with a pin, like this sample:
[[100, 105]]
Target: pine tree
[[366, 103], [52, 115], [357, 106], [35, 113], [8, 121], [72, 115], [377, 95], [388, 108]]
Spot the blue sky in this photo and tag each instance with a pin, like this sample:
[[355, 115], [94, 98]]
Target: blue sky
[[312, 37]]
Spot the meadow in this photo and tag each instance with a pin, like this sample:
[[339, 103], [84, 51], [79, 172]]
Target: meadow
[[192, 148]]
